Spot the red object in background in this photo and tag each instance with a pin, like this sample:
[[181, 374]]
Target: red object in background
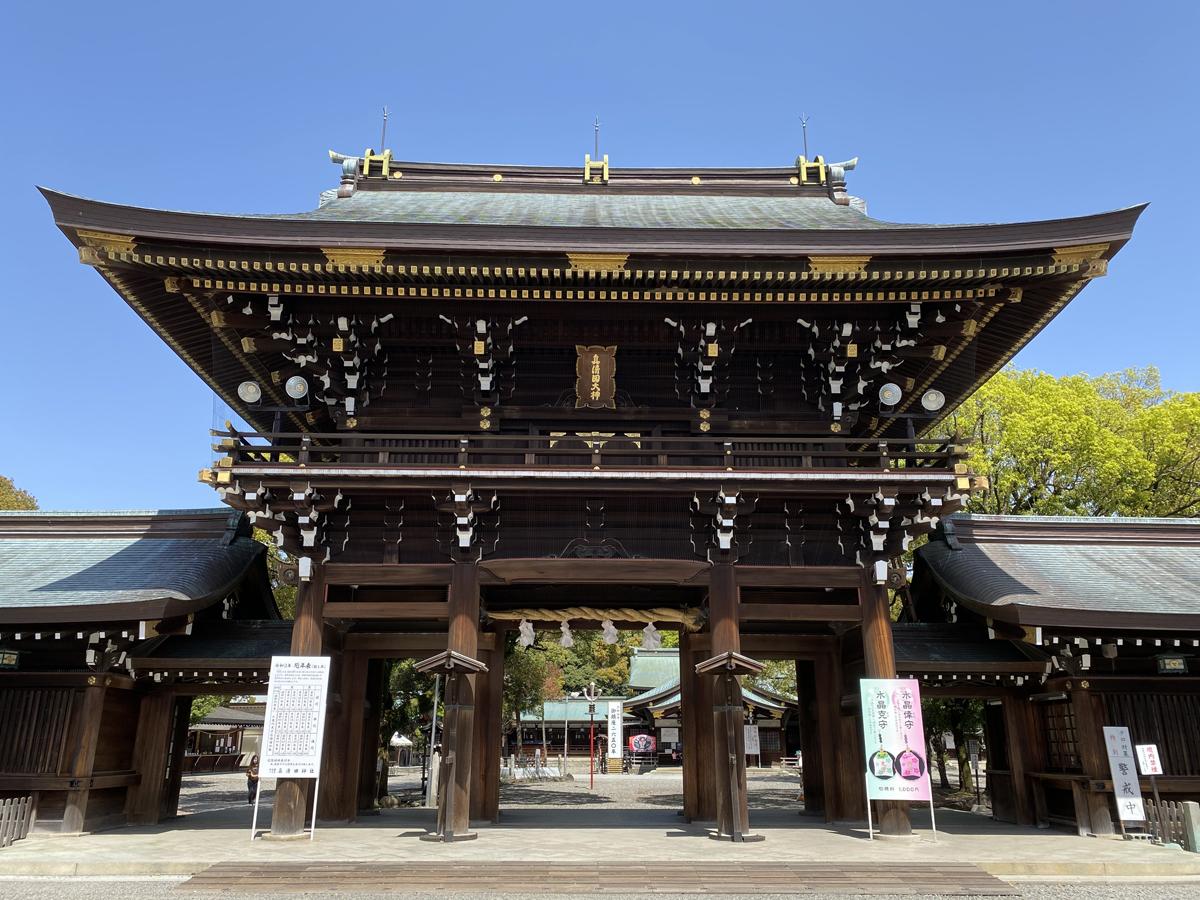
[[643, 743]]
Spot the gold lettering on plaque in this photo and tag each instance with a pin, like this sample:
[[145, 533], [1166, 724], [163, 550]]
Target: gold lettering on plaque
[[595, 377]]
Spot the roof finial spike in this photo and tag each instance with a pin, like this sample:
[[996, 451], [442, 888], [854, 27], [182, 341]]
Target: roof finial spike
[[383, 132], [804, 131], [596, 127]]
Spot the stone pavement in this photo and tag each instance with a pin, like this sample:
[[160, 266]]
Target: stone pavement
[[631, 818]]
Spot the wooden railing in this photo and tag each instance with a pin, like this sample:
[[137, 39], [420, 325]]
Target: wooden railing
[[16, 815], [1166, 822], [500, 451]]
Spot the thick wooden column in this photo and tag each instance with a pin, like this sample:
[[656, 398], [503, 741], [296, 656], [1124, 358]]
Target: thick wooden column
[[1093, 757], [879, 659], [183, 715], [368, 742], [291, 794], [1020, 732], [827, 690], [733, 815], [689, 706], [330, 805], [344, 805], [80, 754], [489, 721], [811, 748], [463, 638], [144, 801]]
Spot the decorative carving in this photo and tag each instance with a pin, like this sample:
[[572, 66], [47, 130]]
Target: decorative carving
[[595, 171], [717, 535], [485, 347], [598, 262], [838, 265], [702, 359], [468, 524], [107, 241], [354, 256], [1073, 256]]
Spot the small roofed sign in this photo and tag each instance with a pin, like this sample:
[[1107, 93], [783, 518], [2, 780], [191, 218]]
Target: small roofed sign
[[595, 377]]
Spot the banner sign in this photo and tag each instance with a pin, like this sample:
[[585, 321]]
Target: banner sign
[[643, 743], [1148, 759], [294, 727], [894, 739], [753, 747], [616, 722], [1124, 774]]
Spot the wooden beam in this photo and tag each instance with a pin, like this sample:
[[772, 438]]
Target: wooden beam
[[416, 575], [800, 612], [399, 644], [397, 610]]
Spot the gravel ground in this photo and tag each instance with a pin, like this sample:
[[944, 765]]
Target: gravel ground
[[767, 789], [164, 889]]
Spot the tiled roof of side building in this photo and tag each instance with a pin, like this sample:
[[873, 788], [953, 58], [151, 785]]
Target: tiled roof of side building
[[1064, 570], [111, 566]]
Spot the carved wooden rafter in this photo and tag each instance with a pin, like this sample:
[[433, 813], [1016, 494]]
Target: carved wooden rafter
[[702, 359]]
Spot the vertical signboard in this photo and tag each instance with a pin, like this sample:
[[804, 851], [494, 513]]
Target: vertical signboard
[[1123, 766], [1148, 759], [595, 377], [294, 725], [753, 746], [616, 722], [894, 740]]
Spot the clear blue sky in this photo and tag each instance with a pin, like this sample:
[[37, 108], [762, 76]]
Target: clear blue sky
[[960, 112]]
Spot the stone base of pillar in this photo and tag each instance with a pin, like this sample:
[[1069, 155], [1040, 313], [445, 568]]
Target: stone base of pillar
[[449, 838], [739, 839]]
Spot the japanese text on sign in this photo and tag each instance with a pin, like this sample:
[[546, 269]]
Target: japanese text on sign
[[616, 720], [894, 735], [1124, 774], [1148, 759], [295, 721]]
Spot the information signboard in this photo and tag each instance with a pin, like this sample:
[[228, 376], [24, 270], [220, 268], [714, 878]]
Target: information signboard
[[616, 723], [753, 746], [1124, 774], [294, 726], [1148, 759], [669, 735], [894, 739]]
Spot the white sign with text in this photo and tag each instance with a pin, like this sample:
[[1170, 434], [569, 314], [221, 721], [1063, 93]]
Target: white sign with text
[[294, 728], [1148, 759], [616, 722], [1124, 774], [753, 746]]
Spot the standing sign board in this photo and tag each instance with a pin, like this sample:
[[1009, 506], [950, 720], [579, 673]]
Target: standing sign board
[[1124, 774], [894, 740], [753, 745], [294, 726], [1148, 759], [616, 722]]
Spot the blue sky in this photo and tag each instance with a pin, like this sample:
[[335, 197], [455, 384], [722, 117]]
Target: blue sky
[[960, 112]]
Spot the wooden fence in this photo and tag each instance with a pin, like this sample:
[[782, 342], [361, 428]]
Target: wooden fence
[[1166, 822], [16, 815]]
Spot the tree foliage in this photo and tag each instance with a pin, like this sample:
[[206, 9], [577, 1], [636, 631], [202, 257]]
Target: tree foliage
[[778, 675], [203, 705], [285, 594], [1114, 445], [12, 497]]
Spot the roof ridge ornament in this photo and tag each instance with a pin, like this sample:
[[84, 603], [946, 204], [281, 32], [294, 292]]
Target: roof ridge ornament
[[832, 175], [595, 171]]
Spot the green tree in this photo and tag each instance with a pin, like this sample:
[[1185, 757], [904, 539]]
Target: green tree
[[12, 497], [1114, 445], [778, 675], [203, 705], [285, 594]]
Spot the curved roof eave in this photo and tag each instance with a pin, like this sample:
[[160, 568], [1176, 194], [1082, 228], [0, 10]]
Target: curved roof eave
[[71, 212]]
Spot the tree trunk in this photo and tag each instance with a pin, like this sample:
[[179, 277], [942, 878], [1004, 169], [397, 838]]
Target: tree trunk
[[520, 734], [939, 754], [965, 781]]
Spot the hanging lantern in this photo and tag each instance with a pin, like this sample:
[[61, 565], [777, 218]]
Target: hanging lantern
[[527, 637], [610, 632], [566, 640], [651, 638]]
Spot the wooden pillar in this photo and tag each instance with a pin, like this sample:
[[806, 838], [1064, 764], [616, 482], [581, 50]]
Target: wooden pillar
[[291, 794], [811, 748], [368, 741], [183, 715], [495, 732], [880, 661], [1093, 757], [728, 746], [81, 750], [1020, 732], [827, 690], [330, 805], [463, 638], [144, 800], [354, 702], [689, 706]]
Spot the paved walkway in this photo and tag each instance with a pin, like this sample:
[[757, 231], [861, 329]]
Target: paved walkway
[[626, 818]]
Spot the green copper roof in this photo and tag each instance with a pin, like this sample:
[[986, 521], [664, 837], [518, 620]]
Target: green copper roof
[[650, 668], [590, 210]]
